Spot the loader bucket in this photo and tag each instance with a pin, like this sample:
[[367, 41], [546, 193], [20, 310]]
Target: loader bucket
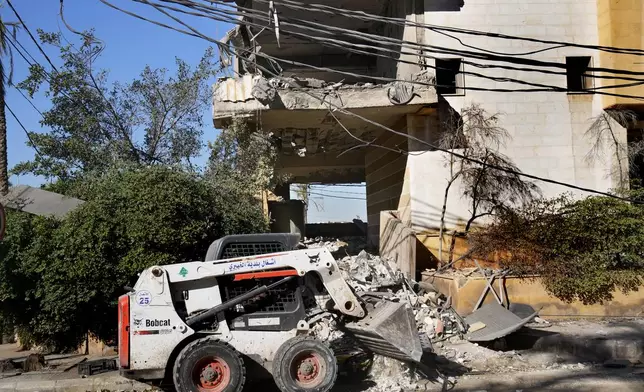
[[389, 329]]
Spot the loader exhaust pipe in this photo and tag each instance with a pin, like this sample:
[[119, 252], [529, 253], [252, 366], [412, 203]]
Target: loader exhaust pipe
[[198, 318]]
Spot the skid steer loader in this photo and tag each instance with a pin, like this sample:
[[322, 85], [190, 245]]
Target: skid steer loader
[[253, 300]]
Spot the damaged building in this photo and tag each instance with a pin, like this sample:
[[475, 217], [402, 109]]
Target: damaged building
[[327, 102]]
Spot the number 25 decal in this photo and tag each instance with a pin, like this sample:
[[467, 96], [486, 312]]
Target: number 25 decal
[[143, 298]]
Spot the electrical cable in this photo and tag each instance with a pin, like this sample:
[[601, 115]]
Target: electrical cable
[[31, 141], [319, 27], [342, 45], [48, 77], [28, 100], [31, 36], [437, 49], [74, 31], [331, 191], [406, 22], [336, 196], [423, 142]]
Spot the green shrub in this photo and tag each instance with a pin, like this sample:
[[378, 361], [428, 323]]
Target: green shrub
[[583, 249], [61, 279]]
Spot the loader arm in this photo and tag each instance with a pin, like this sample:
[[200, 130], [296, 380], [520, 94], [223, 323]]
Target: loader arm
[[302, 261]]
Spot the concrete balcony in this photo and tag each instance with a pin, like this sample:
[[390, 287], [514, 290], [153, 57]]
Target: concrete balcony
[[313, 144]]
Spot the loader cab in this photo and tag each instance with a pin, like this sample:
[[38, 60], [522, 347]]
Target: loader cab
[[244, 245]]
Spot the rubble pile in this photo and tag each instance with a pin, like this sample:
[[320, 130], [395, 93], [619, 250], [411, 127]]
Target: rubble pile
[[366, 272], [338, 247], [390, 375], [450, 335], [370, 273]]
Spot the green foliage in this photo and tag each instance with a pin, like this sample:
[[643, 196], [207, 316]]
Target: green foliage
[[241, 157], [60, 279], [125, 149], [583, 249], [155, 119]]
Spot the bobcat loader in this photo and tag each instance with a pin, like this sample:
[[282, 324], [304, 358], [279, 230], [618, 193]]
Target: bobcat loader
[[254, 300]]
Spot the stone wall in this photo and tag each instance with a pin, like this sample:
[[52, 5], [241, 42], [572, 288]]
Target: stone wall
[[465, 293]]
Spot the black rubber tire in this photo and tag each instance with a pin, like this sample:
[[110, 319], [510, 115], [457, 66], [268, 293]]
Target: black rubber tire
[[200, 348], [289, 351]]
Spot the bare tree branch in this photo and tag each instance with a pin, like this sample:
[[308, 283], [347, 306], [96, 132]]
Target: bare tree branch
[[603, 133]]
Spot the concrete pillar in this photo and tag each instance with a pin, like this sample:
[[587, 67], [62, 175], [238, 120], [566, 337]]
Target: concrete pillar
[[385, 173]]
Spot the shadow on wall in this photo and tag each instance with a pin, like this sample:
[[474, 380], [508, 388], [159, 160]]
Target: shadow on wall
[[443, 5], [425, 220], [399, 244]]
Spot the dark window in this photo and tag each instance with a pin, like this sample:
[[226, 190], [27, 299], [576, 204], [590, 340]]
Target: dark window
[[579, 79], [447, 71]]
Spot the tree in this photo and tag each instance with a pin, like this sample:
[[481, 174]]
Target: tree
[[155, 119], [582, 249], [5, 80], [606, 140], [61, 279], [243, 157], [490, 187]]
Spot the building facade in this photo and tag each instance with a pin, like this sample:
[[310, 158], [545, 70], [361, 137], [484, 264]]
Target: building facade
[[322, 79]]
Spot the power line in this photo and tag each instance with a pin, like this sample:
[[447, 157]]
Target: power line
[[336, 196], [405, 22], [31, 141], [29, 100], [31, 35], [332, 191], [320, 27], [349, 113], [110, 112], [379, 39], [343, 44]]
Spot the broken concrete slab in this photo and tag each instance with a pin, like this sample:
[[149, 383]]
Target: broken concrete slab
[[497, 320], [253, 93], [39, 202]]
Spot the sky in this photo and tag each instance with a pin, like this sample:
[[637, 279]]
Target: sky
[[131, 44]]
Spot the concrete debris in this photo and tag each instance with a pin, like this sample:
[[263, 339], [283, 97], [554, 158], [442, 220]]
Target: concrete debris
[[7, 365], [390, 375], [326, 330], [339, 247], [366, 272], [263, 91], [34, 362], [312, 83], [319, 242], [435, 318]]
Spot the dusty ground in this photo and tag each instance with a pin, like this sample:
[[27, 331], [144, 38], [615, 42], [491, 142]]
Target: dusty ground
[[563, 356]]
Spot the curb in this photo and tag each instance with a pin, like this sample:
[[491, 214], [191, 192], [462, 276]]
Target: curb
[[75, 385]]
